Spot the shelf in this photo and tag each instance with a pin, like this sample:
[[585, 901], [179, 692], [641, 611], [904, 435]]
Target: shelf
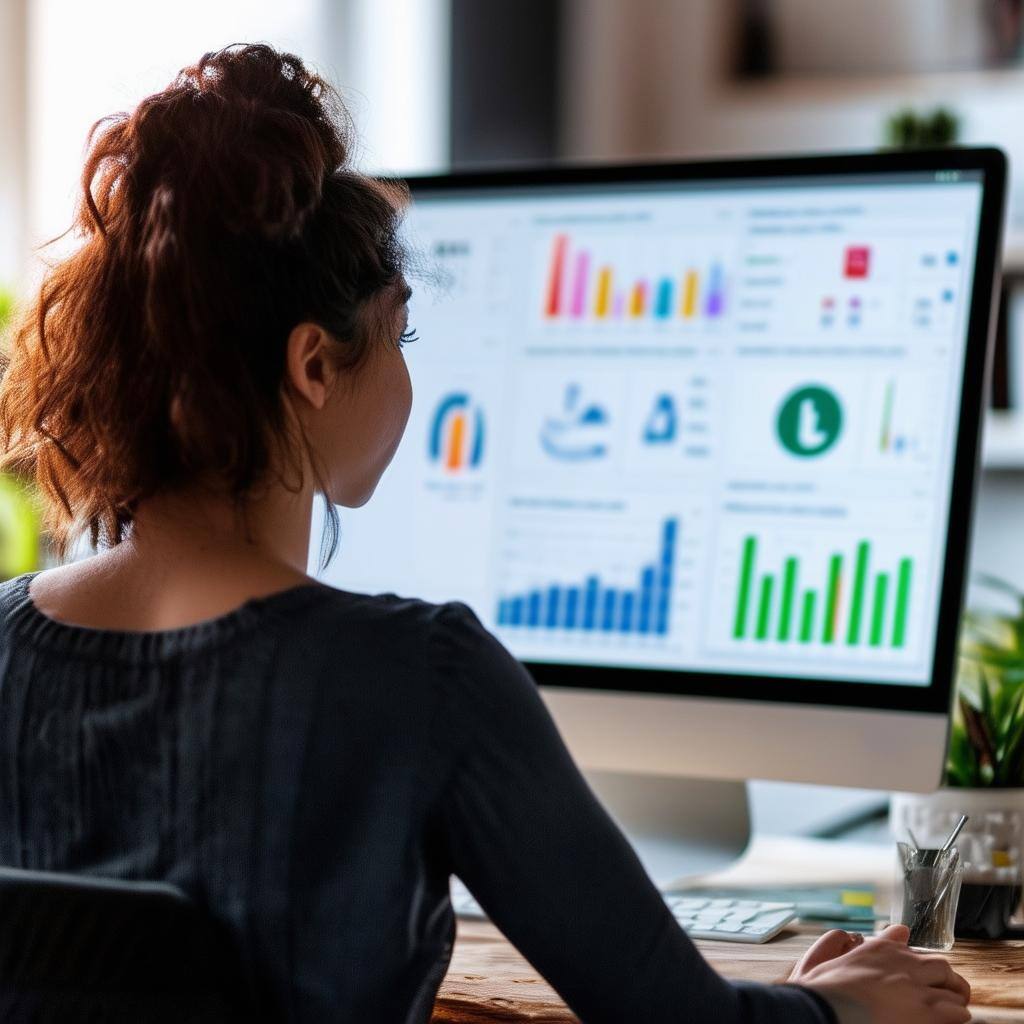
[[1003, 441], [935, 87]]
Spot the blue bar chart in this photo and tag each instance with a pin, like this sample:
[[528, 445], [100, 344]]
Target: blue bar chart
[[590, 605]]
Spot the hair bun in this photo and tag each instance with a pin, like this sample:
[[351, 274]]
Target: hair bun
[[247, 134]]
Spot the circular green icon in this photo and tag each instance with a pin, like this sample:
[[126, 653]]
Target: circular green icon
[[809, 421]]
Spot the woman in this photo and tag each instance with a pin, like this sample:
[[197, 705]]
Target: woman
[[310, 765]]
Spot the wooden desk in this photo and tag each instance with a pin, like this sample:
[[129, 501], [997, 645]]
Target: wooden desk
[[490, 982]]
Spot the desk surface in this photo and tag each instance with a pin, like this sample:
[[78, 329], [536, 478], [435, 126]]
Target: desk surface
[[490, 982]]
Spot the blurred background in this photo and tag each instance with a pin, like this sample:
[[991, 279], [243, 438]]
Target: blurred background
[[441, 84]]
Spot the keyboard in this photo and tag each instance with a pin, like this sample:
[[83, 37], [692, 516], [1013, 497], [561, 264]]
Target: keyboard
[[722, 919]]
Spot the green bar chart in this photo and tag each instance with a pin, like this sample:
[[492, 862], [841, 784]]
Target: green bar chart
[[849, 597]]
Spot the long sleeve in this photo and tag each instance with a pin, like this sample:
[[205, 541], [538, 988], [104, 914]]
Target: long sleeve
[[553, 871]]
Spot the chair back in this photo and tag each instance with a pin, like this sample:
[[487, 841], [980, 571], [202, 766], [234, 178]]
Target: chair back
[[83, 949]]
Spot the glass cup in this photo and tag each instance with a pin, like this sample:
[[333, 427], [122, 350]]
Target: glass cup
[[991, 848], [927, 893]]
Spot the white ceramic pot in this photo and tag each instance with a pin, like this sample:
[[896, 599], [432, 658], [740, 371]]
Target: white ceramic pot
[[950, 803], [952, 800]]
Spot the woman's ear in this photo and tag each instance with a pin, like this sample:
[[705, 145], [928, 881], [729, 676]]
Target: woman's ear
[[307, 366]]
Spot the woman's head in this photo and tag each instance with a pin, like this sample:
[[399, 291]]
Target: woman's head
[[232, 316]]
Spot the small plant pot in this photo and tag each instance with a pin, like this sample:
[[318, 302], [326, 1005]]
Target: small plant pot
[[985, 911]]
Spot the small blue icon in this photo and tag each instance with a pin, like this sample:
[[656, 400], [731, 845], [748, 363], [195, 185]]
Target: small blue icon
[[947, 295], [662, 423], [579, 433], [458, 447], [952, 257]]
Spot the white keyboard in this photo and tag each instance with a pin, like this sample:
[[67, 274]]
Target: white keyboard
[[726, 920], [730, 920]]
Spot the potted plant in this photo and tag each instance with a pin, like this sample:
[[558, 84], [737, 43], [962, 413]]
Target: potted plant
[[6, 311], [984, 774], [986, 742], [909, 129], [19, 518]]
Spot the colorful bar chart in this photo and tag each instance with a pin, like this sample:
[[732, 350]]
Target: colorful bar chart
[[579, 287], [872, 611], [592, 606]]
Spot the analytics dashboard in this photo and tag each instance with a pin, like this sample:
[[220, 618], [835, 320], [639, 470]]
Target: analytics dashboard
[[696, 426]]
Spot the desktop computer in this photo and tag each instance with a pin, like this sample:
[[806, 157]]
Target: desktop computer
[[698, 443]]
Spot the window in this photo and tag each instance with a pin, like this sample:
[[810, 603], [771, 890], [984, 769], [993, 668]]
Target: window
[[87, 60]]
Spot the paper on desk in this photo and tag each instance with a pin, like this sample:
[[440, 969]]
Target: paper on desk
[[775, 862]]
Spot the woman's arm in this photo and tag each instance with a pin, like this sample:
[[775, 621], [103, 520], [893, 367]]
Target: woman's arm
[[555, 874]]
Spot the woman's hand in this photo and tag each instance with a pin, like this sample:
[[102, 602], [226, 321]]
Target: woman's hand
[[828, 947], [885, 979]]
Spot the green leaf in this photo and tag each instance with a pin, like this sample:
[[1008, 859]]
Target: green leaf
[[986, 744], [967, 686], [962, 764], [985, 691], [998, 584], [1012, 760]]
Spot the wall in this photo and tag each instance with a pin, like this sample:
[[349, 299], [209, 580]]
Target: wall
[[12, 130], [648, 79], [998, 546], [80, 71], [394, 56]]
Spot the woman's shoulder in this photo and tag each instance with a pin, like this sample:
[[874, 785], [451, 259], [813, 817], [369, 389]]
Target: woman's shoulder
[[9, 587], [410, 637], [449, 626], [13, 592], [402, 660], [384, 607]]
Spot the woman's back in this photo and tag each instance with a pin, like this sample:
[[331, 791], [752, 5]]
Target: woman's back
[[312, 768], [259, 761]]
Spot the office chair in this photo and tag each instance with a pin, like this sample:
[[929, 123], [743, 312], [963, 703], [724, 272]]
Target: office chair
[[90, 950]]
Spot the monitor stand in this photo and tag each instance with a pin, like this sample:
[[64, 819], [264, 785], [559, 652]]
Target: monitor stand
[[678, 827]]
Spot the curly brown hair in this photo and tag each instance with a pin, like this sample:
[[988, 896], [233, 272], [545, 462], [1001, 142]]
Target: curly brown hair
[[216, 216]]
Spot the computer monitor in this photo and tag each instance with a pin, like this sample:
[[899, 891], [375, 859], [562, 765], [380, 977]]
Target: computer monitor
[[698, 443]]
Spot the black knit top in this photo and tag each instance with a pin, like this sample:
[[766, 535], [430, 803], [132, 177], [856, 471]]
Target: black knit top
[[312, 768]]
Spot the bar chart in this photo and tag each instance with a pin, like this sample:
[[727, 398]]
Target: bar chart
[[901, 408], [580, 287], [591, 605], [791, 605]]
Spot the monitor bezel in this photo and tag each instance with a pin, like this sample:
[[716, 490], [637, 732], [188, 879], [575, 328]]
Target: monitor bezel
[[936, 696]]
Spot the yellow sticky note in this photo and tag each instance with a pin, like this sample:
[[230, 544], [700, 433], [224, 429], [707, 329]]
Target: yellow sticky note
[[857, 898]]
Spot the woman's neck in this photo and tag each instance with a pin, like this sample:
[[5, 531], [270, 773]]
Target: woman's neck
[[272, 529], [191, 555]]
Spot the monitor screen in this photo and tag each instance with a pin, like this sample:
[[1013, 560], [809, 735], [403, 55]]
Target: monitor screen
[[684, 426]]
